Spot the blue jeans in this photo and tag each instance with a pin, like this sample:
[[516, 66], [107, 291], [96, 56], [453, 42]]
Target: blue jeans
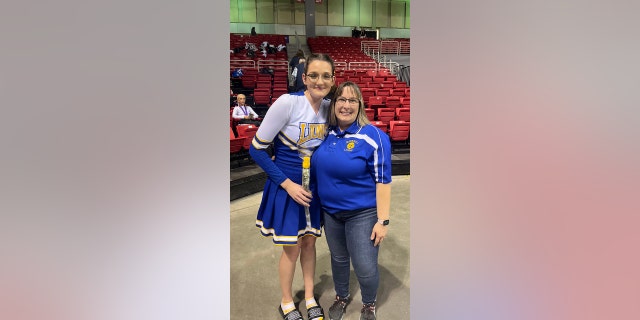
[[348, 235]]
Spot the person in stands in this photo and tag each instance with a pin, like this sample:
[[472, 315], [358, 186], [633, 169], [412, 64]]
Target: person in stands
[[298, 71], [244, 113]]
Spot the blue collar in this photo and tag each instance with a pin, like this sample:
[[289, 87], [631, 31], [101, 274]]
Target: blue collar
[[353, 128]]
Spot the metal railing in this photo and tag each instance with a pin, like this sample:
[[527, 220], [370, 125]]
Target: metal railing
[[405, 47], [371, 47], [275, 64], [393, 67], [390, 47], [363, 65], [237, 63], [340, 65]]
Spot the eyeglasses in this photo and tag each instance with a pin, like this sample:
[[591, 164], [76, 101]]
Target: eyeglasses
[[351, 101], [314, 77]]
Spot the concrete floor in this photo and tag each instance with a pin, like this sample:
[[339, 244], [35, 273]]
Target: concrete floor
[[254, 287]]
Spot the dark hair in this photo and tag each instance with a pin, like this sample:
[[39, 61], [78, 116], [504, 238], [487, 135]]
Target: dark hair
[[320, 57], [362, 119]]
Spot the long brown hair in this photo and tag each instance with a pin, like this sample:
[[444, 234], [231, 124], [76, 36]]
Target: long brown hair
[[332, 120]]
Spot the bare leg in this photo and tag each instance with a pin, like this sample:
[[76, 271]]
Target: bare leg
[[287, 269], [308, 263]]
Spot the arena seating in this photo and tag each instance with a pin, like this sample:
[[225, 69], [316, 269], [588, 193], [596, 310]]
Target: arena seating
[[399, 130], [392, 102], [403, 114], [381, 125], [376, 102], [386, 115], [235, 143], [405, 102], [371, 114], [265, 79], [246, 131]]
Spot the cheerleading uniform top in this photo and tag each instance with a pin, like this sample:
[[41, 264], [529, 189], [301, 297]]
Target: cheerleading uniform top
[[295, 130]]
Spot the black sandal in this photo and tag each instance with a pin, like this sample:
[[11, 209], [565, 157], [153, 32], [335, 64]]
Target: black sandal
[[315, 313], [291, 315]]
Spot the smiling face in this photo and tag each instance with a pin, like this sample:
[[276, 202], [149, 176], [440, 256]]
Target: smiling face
[[346, 107], [318, 78]]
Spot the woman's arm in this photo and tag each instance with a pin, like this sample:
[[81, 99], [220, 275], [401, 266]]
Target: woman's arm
[[383, 206], [276, 118], [253, 113], [380, 165]]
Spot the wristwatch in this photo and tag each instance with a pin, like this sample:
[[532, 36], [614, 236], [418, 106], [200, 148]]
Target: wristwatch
[[383, 222]]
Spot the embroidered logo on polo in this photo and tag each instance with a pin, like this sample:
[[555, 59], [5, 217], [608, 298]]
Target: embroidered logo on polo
[[350, 145]]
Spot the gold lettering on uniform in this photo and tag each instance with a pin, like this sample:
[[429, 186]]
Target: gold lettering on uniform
[[310, 131]]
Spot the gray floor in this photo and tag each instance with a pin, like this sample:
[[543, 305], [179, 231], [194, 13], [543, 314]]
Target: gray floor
[[255, 290]]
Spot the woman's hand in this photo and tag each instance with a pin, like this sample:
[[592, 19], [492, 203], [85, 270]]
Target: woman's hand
[[378, 233], [297, 192]]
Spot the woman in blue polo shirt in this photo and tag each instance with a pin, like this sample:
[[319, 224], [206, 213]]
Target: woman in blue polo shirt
[[352, 169]]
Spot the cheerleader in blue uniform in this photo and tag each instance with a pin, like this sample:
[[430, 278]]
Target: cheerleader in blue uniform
[[295, 125]]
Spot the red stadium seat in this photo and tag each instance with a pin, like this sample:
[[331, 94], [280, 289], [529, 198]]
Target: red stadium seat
[[393, 102], [376, 102], [263, 84], [261, 98], [278, 92], [403, 114], [381, 125], [235, 144], [367, 93], [383, 92], [405, 102], [386, 115], [264, 77], [399, 130], [387, 84], [378, 79], [248, 81], [246, 131], [371, 113]]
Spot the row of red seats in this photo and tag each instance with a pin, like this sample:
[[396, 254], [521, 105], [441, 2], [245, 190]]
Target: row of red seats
[[242, 55], [384, 92], [393, 102], [246, 132], [377, 85], [397, 130], [387, 115]]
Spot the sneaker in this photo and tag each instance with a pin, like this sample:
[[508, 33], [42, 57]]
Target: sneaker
[[291, 315], [315, 313], [336, 311], [368, 311]]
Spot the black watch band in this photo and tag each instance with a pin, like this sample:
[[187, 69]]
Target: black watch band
[[383, 222]]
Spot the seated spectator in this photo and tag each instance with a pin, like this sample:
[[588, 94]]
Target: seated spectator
[[244, 113]]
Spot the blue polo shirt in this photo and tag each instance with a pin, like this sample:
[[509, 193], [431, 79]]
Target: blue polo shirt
[[348, 165]]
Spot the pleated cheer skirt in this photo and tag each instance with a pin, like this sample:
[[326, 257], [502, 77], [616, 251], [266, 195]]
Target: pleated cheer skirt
[[283, 219]]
